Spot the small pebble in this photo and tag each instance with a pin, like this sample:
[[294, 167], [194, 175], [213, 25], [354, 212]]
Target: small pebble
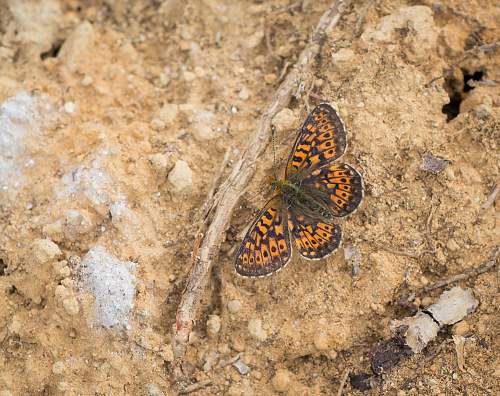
[[255, 329], [270, 78], [352, 256], [157, 124], [87, 80], [213, 325], [238, 345], [168, 113], [461, 328], [434, 164], [322, 341], [254, 40], [281, 380], [224, 349], [343, 59], [159, 161], [69, 107], [284, 120], [244, 94], [181, 176], [242, 368], [426, 301], [58, 367], [45, 250], [234, 306], [71, 305], [203, 132], [452, 245], [153, 390]]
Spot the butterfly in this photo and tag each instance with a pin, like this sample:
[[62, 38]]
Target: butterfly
[[314, 191]]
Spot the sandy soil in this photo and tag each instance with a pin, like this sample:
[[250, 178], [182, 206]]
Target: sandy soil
[[114, 119]]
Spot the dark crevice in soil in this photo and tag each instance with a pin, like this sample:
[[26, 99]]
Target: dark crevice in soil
[[456, 90], [3, 266], [53, 51]]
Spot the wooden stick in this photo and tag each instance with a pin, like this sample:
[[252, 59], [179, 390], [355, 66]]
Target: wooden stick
[[238, 180], [484, 267], [343, 381]]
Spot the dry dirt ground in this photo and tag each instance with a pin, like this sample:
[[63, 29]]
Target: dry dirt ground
[[115, 117]]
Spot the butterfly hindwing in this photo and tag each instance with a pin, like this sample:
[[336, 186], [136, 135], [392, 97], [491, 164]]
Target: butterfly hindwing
[[322, 139], [266, 246], [313, 239], [342, 184]]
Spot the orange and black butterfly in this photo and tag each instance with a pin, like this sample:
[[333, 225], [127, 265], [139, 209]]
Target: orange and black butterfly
[[314, 192]]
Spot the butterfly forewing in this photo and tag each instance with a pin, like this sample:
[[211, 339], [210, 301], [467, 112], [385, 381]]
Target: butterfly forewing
[[343, 185], [321, 140], [266, 246]]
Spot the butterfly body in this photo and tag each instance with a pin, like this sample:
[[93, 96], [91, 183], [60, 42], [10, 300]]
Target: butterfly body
[[303, 200], [314, 192]]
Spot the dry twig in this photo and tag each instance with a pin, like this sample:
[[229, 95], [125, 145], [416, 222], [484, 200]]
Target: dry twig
[[233, 187], [194, 387], [484, 267], [491, 198], [343, 382], [428, 230]]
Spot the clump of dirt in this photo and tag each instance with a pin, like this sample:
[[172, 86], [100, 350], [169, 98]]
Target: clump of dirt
[[114, 120]]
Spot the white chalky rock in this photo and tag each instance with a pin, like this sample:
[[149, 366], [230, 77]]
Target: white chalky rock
[[343, 59], [168, 113], [181, 176], [255, 329], [284, 120], [45, 250]]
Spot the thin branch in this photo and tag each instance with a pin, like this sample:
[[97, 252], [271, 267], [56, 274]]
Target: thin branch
[[484, 267], [428, 230], [343, 381], [492, 197], [194, 387], [237, 181]]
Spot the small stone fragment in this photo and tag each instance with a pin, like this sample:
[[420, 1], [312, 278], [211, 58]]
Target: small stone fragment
[[234, 306], [270, 78], [352, 256], [153, 390], [213, 325], [181, 176], [87, 80], [343, 59], [322, 341], [433, 164], [160, 162], [71, 306], [284, 120], [167, 353], [69, 107], [281, 380], [58, 367], [244, 94], [461, 328], [254, 40], [242, 368], [238, 345], [420, 330], [255, 329], [453, 305], [45, 250], [168, 113]]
